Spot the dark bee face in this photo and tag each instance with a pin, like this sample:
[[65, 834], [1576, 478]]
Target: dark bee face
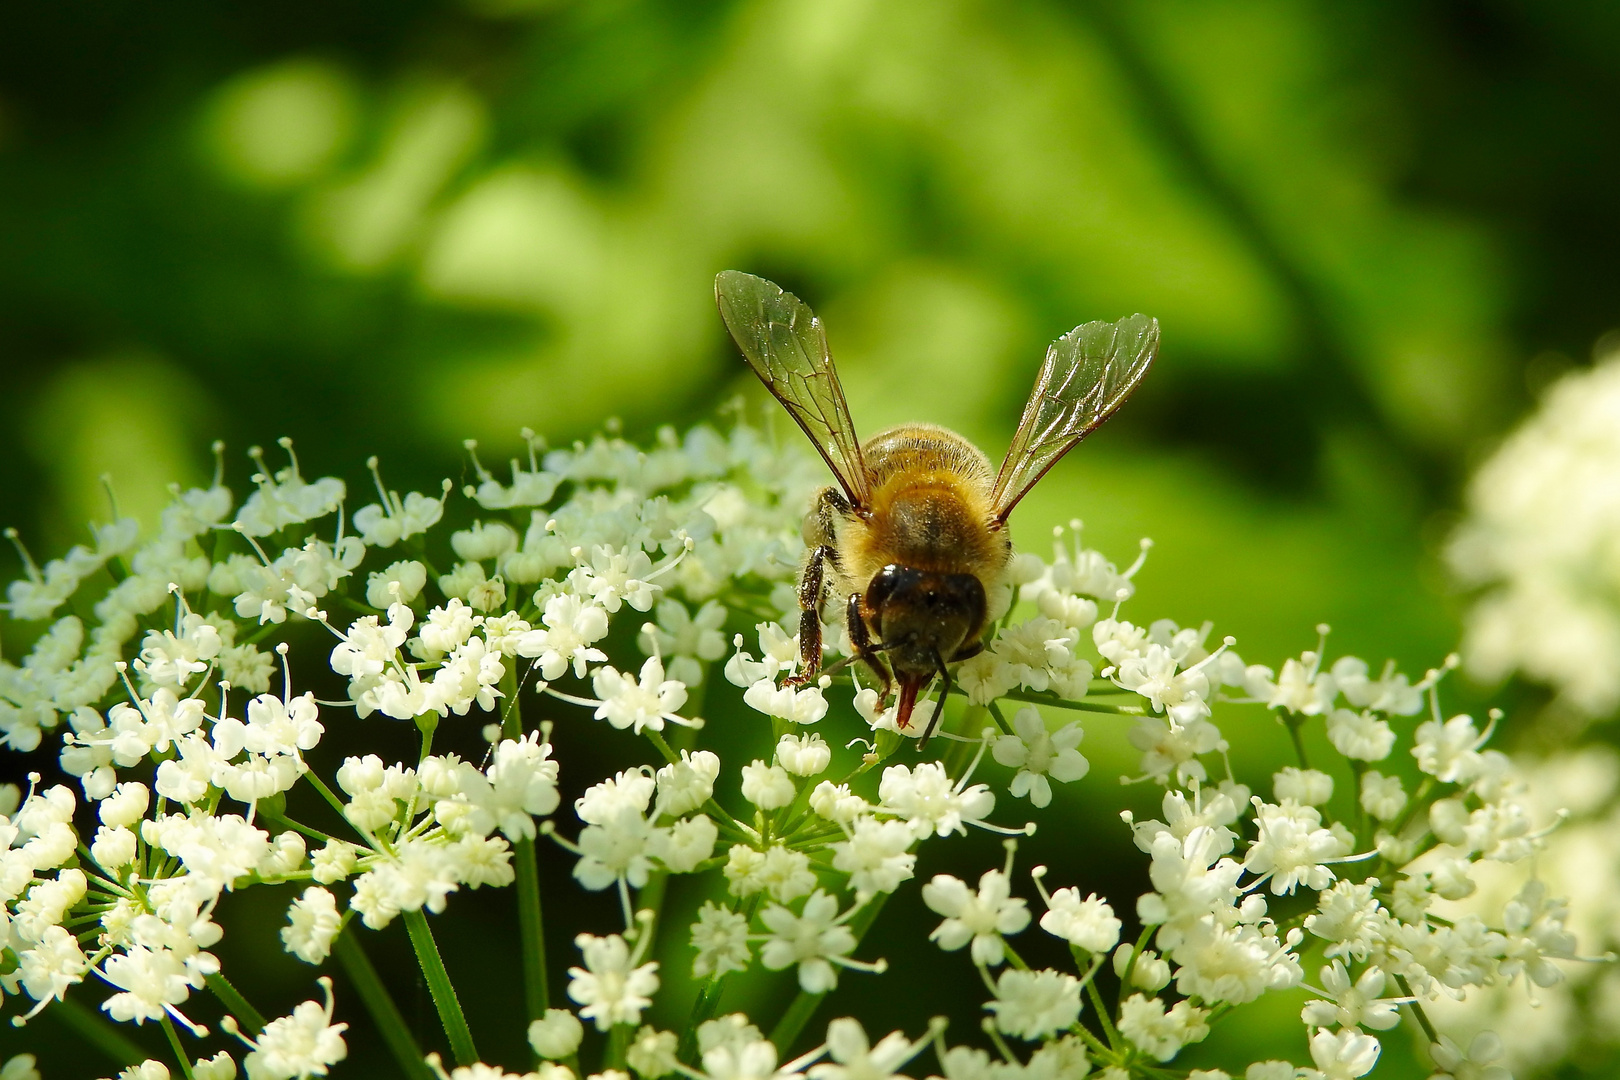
[[922, 618]]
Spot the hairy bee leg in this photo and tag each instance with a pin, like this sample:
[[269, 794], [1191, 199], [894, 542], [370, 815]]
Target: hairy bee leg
[[810, 587], [860, 639]]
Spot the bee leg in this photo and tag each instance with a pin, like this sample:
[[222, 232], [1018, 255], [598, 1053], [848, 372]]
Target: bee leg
[[810, 587], [860, 639], [939, 706]]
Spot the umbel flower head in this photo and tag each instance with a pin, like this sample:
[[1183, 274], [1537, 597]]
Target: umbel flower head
[[590, 598], [1541, 543]]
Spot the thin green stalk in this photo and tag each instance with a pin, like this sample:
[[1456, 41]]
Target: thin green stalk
[[95, 1029], [1293, 727], [180, 1054], [443, 991], [251, 1021], [1103, 1018], [798, 1014], [531, 929], [531, 924], [1417, 1010], [384, 1013]]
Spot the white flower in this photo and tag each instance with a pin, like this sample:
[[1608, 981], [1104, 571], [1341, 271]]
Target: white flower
[[1149, 971], [1037, 754], [768, 787], [218, 1067], [1382, 796], [1352, 1004], [1234, 964], [303, 1043], [520, 785], [685, 844], [815, 940], [1448, 752], [877, 856], [643, 704], [1539, 539], [796, 704], [1350, 918], [572, 626], [1483, 1061], [1293, 847], [1360, 735], [1035, 1004], [804, 755], [779, 870], [688, 783], [927, 800], [611, 988], [126, 805], [720, 937], [481, 542], [836, 803], [855, 1058], [113, 847], [615, 578], [981, 917], [652, 1053], [1168, 748], [1309, 787], [687, 641], [1088, 924], [313, 922], [1344, 1055], [409, 575], [557, 1034], [1303, 688], [1161, 1034]]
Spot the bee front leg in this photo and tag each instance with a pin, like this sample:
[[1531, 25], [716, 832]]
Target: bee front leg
[[810, 588], [860, 639]]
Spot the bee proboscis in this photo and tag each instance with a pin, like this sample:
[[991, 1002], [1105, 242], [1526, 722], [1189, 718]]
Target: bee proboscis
[[914, 534]]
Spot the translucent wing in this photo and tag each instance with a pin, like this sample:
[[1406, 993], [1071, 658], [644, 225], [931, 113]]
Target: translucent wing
[[784, 343], [1088, 374]]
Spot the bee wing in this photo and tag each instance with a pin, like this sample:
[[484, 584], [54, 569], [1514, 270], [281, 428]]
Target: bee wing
[[784, 343], [1088, 374]]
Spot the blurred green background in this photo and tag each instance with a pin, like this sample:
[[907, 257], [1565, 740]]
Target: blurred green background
[[1371, 233]]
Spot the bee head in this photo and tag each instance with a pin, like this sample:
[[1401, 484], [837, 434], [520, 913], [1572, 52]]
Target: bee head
[[924, 618]]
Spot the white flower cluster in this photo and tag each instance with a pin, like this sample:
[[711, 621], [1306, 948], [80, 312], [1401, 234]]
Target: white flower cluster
[[188, 759], [1541, 543]]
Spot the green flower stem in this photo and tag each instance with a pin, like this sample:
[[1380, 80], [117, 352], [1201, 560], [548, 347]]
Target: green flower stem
[[1293, 727], [180, 1054], [1063, 703], [531, 924], [97, 1030], [384, 1013], [279, 819], [246, 1015], [1417, 1010], [326, 793], [617, 1047], [798, 1014], [1103, 1018], [531, 929], [439, 985], [804, 1004]]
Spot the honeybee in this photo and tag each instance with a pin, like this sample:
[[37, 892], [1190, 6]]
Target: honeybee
[[914, 534]]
